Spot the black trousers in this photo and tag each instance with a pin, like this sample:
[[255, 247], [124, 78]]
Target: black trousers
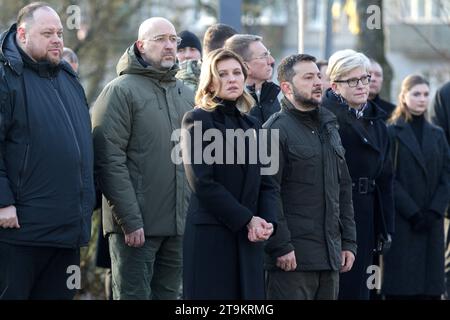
[[37, 273]]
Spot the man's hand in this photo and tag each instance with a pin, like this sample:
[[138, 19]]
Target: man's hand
[[135, 239], [287, 262], [347, 261], [259, 229], [8, 218]]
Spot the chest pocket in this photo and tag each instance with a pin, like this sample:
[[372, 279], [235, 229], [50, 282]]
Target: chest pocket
[[302, 164]]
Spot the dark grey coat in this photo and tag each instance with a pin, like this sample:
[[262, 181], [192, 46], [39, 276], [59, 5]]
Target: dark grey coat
[[415, 263], [316, 219]]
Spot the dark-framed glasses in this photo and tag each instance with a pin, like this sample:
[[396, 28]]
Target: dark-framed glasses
[[353, 82]]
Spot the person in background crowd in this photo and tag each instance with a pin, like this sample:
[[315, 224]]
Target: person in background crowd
[[233, 207], [260, 64], [440, 115], [414, 266], [144, 192], [215, 37], [189, 55], [323, 65], [365, 139], [46, 160], [376, 84], [316, 236], [71, 58]]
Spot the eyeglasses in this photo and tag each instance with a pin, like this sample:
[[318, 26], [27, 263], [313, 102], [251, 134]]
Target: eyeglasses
[[352, 83], [265, 55], [164, 37]]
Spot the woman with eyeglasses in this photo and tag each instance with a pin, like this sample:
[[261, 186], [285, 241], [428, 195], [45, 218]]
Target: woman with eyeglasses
[[414, 267], [365, 139]]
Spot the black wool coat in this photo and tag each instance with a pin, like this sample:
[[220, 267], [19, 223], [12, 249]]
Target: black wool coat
[[415, 263], [367, 154], [219, 261]]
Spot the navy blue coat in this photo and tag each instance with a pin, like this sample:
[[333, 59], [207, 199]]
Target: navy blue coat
[[267, 103], [415, 263], [219, 261], [367, 154], [46, 152]]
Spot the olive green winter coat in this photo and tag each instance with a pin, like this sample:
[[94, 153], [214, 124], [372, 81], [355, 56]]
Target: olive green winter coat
[[133, 121]]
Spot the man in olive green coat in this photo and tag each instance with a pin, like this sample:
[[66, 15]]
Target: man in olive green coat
[[145, 193]]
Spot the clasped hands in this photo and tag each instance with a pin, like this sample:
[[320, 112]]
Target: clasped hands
[[259, 229]]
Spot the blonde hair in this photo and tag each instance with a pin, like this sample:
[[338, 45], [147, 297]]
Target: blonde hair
[[344, 61], [204, 97], [401, 111]]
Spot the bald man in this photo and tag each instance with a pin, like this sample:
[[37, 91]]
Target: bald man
[[144, 192]]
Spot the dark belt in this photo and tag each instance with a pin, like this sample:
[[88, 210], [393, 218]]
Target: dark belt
[[364, 185]]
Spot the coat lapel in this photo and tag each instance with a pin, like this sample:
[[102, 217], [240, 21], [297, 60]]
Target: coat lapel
[[362, 133], [428, 141], [407, 137], [250, 170]]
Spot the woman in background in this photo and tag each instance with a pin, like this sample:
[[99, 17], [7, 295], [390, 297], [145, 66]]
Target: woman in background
[[414, 267]]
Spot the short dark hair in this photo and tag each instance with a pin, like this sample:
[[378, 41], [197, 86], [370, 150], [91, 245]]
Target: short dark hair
[[26, 13], [215, 37], [286, 68]]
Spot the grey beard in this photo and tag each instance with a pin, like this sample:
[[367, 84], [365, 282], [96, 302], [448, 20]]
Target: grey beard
[[167, 64]]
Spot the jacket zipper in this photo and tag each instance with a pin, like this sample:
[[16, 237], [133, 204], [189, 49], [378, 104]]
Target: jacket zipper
[[22, 173], [72, 129]]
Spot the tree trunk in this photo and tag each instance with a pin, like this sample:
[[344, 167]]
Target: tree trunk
[[371, 39]]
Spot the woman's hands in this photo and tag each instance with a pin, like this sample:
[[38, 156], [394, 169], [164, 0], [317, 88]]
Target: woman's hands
[[259, 229]]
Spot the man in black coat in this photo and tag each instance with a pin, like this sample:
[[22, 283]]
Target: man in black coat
[[376, 83], [260, 64], [46, 161], [440, 115], [316, 236]]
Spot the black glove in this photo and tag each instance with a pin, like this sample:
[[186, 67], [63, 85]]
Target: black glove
[[418, 221]]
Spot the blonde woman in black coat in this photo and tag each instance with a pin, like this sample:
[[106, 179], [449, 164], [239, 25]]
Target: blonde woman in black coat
[[414, 267], [232, 208], [365, 139]]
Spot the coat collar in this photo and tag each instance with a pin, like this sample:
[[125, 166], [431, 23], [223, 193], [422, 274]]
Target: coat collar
[[406, 136], [341, 110], [223, 122]]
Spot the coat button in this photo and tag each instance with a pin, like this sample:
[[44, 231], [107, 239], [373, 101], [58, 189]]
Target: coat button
[[365, 140]]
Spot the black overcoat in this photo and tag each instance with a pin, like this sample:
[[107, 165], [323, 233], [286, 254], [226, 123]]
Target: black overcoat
[[367, 154], [415, 263], [219, 261]]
